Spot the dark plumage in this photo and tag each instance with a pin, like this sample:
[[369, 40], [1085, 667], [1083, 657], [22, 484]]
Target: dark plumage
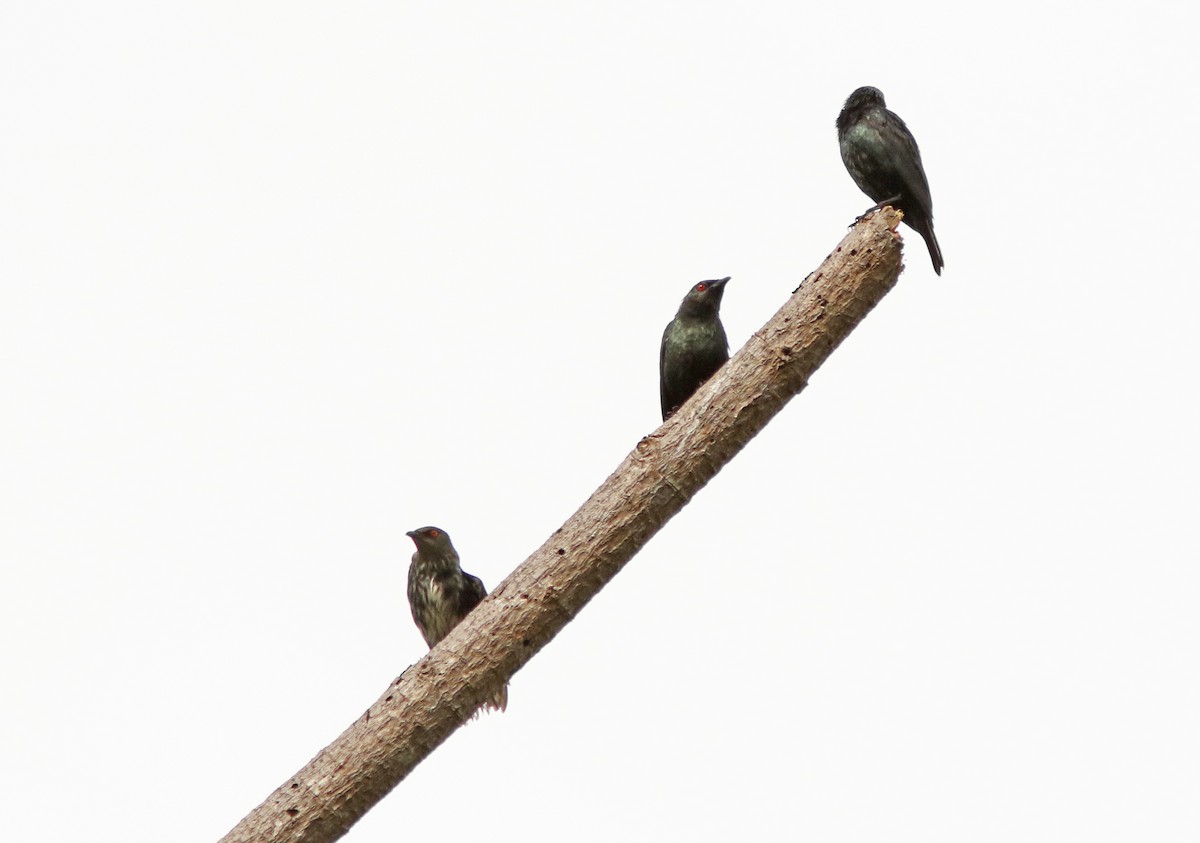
[[440, 593], [882, 157], [693, 345]]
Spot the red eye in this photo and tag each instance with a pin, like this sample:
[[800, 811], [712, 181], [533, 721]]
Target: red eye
[[433, 534], [701, 287]]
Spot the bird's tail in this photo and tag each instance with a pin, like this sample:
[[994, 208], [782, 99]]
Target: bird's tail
[[935, 251], [499, 702]]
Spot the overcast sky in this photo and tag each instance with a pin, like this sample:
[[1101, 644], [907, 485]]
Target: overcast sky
[[282, 281]]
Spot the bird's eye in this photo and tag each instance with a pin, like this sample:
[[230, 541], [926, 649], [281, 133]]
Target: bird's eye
[[433, 534], [701, 287]]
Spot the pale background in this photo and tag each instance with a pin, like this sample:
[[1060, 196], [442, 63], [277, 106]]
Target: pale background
[[284, 280]]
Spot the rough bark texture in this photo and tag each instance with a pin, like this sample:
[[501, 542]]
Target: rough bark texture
[[435, 696]]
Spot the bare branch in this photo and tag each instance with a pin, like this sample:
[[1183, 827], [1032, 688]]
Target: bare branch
[[436, 695]]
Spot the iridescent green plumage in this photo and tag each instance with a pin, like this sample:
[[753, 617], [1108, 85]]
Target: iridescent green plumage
[[883, 159], [693, 345]]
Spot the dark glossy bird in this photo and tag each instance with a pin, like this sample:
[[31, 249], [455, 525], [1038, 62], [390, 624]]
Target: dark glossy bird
[[693, 345], [441, 594], [883, 159]]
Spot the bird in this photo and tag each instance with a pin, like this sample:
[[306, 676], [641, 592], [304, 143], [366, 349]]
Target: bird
[[882, 157], [441, 594], [693, 345]]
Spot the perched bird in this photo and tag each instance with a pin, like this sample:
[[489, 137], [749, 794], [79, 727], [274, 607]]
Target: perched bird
[[883, 159], [693, 345], [441, 594]]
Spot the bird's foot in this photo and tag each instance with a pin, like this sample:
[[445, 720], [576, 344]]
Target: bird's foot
[[891, 200]]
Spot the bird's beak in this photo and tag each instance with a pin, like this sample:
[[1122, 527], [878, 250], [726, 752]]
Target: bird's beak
[[721, 282], [412, 534]]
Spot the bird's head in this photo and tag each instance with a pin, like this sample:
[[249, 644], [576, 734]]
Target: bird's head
[[857, 105], [704, 297], [865, 97], [431, 538]]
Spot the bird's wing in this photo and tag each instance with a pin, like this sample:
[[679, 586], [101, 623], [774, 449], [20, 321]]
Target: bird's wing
[[662, 370], [472, 594], [908, 163]]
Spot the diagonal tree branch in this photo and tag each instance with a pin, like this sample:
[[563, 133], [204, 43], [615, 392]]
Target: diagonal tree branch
[[439, 693]]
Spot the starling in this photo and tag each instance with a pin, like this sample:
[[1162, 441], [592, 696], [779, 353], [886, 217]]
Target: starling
[[883, 159], [441, 594], [693, 345]]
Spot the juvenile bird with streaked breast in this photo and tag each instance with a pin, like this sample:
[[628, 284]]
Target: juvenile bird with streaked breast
[[441, 594]]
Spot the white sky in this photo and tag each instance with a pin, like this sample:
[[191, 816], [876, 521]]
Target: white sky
[[282, 281]]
